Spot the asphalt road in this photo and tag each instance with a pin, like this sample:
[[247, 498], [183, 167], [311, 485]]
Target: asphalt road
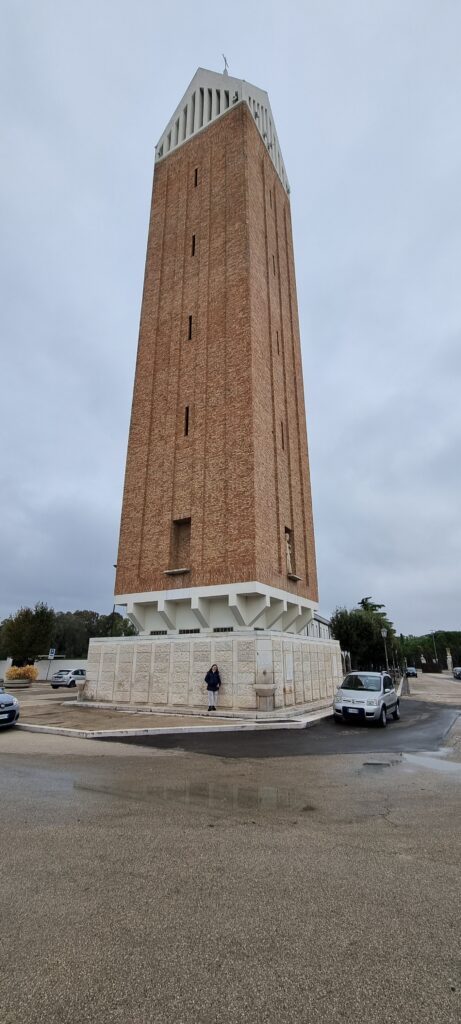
[[156, 885], [422, 726]]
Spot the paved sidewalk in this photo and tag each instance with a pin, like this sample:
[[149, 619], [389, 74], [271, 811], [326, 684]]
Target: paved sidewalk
[[87, 723], [439, 688]]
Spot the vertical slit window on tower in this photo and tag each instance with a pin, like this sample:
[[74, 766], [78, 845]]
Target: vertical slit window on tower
[[196, 177], [289, 551], [210, 101], [193, 246], [218, 101], [226, 98], [193, 113], [189, 334], [270, 198], [180, 543], [201, 106], [278, 342], [186, 421], [282, 434], [273, 263]]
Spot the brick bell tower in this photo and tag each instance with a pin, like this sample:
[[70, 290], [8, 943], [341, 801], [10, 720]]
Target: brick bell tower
[[216, 530]]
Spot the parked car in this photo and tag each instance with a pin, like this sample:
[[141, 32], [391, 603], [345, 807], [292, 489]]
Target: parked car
[[366, 696], [411, 672], [9, 708], [457, 673], [68, 677]]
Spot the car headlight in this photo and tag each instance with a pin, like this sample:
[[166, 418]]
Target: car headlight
[[338, 698], [372, 702], [15, 702]]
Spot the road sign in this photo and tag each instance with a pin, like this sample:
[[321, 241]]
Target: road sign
[[51, 653]]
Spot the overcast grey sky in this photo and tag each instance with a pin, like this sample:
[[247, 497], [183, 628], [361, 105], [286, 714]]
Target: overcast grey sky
[[367, 99]]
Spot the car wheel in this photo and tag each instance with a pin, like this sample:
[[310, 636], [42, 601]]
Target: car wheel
[[396, 713], [53, 687], [383, 718]]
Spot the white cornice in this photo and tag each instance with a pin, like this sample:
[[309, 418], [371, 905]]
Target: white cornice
[[209, 96]]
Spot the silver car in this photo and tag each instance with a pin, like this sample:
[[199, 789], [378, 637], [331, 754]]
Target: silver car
[[68, 677], [366, 696], [9, 708]]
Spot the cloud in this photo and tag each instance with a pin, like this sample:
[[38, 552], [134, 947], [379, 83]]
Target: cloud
[[366, 100]]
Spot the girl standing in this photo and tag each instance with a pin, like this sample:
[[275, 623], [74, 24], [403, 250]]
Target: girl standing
[[213, 682]]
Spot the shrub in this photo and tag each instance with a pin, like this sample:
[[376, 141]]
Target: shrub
[[25, 672]]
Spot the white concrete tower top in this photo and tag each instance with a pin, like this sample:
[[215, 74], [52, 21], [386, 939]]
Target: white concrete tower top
[[208, 97]]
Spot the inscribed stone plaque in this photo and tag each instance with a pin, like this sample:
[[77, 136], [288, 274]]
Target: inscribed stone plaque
[[246, 650]]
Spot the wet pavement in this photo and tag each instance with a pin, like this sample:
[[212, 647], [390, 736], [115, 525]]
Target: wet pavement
[[422, 726], [145, 885]]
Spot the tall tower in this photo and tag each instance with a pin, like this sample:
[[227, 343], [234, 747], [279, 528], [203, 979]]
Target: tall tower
[[216, 529]]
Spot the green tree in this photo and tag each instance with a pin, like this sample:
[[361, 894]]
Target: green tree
[[28, 633], [359, 632], [74, 630]]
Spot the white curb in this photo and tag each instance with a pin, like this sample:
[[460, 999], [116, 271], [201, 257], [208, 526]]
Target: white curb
[[179, 730]]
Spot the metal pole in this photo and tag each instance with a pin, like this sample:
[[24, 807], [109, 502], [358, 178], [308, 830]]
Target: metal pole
[[385, 651], [435, 649], [384, 635]]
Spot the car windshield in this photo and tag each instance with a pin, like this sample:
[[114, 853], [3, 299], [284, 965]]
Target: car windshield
[[362, 682]]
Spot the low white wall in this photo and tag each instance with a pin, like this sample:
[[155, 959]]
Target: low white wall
[[299, 671], [42, 666], [3, 667], [56, 664]]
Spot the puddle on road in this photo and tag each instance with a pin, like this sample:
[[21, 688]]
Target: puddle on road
[[212, 795], [434, 761]]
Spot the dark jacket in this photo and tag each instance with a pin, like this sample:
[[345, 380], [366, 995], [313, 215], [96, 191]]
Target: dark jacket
[[213, 680]]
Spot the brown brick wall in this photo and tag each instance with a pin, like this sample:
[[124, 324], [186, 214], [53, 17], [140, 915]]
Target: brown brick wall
[[229, 474]]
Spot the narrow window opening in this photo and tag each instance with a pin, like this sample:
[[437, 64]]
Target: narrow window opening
[[201, 106], [226, 98], [282, 434], [278, 343], [159, 632], [189, 333], [273, 263], [289, 551], [270, 198], [180, 543], [184, 123], [186, 421], [196, 177], [193, 246], [218, 101], [176, 132], [193, 113], [168, 142], [210, 101], [183, 631]]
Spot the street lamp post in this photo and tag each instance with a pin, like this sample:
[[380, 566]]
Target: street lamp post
[[384, 635], [435, 649]]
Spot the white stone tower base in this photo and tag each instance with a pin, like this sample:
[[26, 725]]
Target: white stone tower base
[[263, 673]]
